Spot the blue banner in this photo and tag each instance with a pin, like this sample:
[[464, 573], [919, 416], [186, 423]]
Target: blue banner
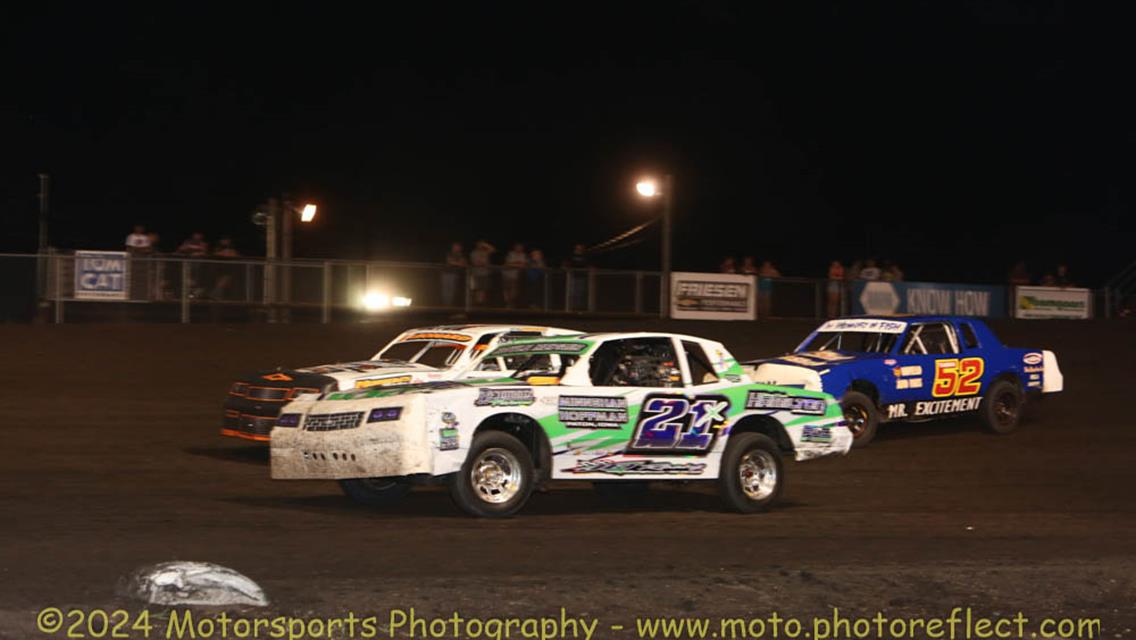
[[928, 298]]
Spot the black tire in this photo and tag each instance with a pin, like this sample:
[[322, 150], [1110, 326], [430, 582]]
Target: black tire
[[375, 492], [479, 488], [742, 451], [622, 491], [861, 417], [1001, 409]]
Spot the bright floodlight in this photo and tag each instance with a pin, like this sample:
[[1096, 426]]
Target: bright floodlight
[[308, 214], [376, 301], [400, 301], [647, 188]]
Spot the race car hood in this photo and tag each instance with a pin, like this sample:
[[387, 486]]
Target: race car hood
[[821, 360], [379, 372], [805, 369], [417, 388]]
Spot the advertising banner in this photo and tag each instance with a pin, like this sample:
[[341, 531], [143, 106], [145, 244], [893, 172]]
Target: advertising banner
[[1052, 302], [713, 296], [929, 298], [102, 275]]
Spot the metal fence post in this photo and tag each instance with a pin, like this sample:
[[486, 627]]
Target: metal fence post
[[248, 282], [567, 289], [326, 292], [58, 261], [664, 312], [185, 292]]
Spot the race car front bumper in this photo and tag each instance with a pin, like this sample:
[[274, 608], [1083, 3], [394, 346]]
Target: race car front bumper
[[371, 450]]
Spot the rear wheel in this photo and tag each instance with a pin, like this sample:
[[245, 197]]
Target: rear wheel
[[375, 492], [752, 475], [1001, 409], [861, 417], [497, 477]]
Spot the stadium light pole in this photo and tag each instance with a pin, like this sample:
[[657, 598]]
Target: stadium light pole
[[290, 211], [650, 188]]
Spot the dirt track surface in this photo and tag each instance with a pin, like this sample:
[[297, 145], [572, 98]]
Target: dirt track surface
[[112, 459]]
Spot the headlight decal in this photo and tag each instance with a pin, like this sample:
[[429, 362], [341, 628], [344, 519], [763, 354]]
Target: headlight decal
[[384, 414]]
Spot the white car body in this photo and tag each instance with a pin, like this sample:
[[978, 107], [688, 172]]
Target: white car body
[[427, 354], [677, 429]]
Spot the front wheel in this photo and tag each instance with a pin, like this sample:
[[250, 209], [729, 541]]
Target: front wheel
[[497, 477], [861, 417], [375, 492], [1001, 409], [752, 474]]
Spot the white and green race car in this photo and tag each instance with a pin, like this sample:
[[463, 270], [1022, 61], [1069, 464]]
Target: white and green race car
[[611, 408]]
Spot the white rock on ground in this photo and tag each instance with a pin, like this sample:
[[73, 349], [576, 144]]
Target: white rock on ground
[[191, 583]]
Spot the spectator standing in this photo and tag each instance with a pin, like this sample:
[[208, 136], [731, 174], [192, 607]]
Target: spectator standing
[[224, 280], [1019, 274], [1063, 280], [765, 276], [535, 276], [455, 266], [225, 249], [870, 270], [728, 265], [835, 287], [138, 243], [515, 261], [479, 271], [195, 247], [749, 266], [578, 267], [891, 272]]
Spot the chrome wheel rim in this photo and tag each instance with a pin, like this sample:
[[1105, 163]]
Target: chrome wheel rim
[[496, 475], [856, 419], [757, 473], [1005, 409]]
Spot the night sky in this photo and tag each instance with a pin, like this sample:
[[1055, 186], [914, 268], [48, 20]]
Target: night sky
[[954, 138]]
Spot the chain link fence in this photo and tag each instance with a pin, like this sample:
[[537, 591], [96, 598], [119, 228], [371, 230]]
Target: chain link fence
[[59, 288]]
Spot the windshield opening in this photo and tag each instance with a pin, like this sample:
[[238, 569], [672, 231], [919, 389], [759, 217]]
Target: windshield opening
[[539, 364], [852, 341], [432, 353]]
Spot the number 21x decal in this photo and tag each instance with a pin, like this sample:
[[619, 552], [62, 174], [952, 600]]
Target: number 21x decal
[[680, 423]]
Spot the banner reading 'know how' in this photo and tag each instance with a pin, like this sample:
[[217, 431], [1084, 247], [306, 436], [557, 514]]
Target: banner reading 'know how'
[[929, 298]]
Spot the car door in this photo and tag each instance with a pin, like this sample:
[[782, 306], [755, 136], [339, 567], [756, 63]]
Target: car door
[[626, 375], [944, 373]]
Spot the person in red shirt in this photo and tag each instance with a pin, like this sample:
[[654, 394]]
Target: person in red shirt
[[835, 287]]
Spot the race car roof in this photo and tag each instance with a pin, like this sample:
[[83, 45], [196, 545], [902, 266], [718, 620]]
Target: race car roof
[[607, 335], [473, 330], [909, 319]]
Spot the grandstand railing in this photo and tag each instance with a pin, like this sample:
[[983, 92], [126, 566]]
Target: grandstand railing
[[173, 288]]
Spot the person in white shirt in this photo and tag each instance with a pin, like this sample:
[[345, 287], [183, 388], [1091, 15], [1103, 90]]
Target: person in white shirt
[[138, 242]]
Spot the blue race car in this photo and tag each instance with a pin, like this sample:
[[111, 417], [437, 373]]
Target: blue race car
[[914, 369]]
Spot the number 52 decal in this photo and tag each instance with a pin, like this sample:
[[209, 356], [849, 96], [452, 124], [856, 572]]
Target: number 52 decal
[[679, 422], [955, 377]]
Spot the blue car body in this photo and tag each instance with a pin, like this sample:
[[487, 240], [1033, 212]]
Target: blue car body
[[913, 368]]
